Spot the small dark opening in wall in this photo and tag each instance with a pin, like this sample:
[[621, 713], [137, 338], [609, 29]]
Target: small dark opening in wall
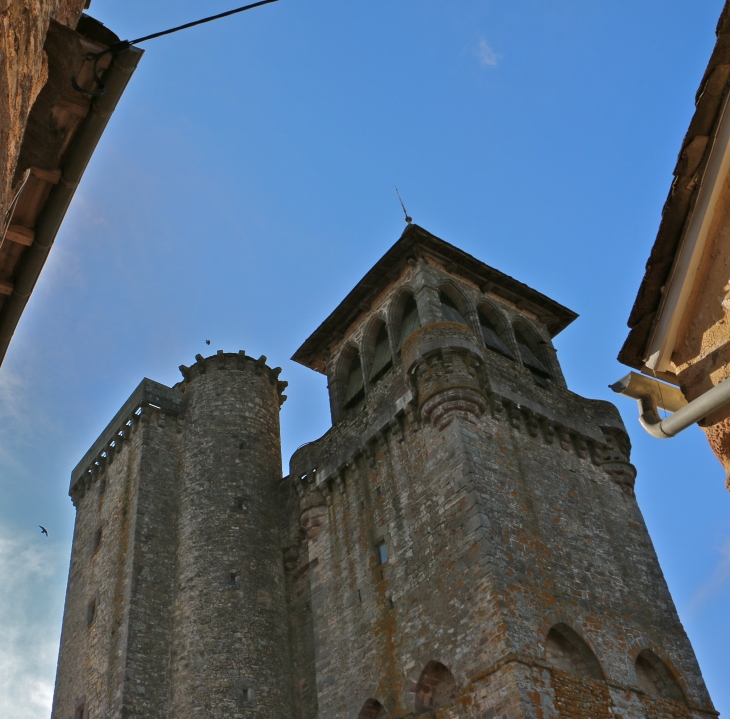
[[232, 580], [239, 503], [362, 504], [80, 712], [246, 694], [378, 491], [359, 597], [90, 612], [382, 553], [102, 486], [97, 540], [390, 604]]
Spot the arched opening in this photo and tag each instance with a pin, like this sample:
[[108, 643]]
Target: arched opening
[[372, 709], [436, 688], [354, 384], [492, 335], [654, 677], [450, 311], [409, 320], [532, 356], [382, 358], [566, 650]]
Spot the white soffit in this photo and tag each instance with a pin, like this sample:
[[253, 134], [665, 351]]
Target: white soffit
[[684, 271]]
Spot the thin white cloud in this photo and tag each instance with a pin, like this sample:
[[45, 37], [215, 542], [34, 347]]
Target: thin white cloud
[[486, 55], [715, 583], [28, 630]]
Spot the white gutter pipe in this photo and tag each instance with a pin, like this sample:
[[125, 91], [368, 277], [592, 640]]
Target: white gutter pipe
[[689, 414]]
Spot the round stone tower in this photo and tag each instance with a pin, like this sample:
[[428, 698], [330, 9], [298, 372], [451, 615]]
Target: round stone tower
[[230, 648]]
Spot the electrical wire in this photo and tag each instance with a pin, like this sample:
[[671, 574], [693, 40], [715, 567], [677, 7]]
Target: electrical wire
[[9, 214], [126, 44]]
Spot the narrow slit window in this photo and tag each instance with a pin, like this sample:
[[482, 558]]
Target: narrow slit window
[[382, 553], [90, 612], [450, 310], [80, 712], [246, 694], [96, 543], [382, 360]]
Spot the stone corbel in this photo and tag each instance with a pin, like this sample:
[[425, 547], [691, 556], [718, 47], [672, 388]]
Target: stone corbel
[[367, 452], [312, 520], [563, 437], [548, 431], [533, 426]]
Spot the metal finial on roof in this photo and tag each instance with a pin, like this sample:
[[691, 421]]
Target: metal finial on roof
[[405, 212]]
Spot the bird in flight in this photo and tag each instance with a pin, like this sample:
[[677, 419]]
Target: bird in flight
[[43, 530], [207, 342]]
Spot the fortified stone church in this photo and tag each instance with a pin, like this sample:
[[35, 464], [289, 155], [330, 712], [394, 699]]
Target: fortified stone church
[[463, 542]]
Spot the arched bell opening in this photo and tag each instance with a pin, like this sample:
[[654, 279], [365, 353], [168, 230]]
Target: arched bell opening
[[453, 307], [406, 319], [353, 380], [495, 331], [379, 351], [532, 354]]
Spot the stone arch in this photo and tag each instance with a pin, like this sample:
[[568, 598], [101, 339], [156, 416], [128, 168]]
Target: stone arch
[[566, 650], [372, 709], [654, 677], [404, 317], [436, 688], [377, 349], [493, 322], [531, 350]]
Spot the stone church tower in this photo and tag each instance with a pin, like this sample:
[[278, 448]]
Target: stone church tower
[[463, 542]]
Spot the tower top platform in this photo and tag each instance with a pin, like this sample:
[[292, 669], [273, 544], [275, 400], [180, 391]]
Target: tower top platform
[[415, 243]]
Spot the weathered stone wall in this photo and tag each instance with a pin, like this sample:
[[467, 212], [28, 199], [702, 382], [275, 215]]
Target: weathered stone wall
[[23, 72]]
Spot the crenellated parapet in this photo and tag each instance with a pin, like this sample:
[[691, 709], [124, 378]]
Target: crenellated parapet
[[234, 360], [150, 399]]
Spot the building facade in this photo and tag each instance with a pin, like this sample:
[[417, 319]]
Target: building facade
[[680, 321], [463, 542]]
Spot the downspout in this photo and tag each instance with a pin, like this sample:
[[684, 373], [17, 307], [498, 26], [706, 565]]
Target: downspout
[[689, 414], [115, 78]]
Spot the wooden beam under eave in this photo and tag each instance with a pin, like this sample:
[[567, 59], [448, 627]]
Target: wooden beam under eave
[[6, 287], [21, 235]]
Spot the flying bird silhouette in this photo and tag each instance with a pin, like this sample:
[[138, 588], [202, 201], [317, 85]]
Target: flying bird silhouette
[[207, 342], [43, 530]]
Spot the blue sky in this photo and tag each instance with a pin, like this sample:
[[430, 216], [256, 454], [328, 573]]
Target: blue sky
[[246, 183]]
